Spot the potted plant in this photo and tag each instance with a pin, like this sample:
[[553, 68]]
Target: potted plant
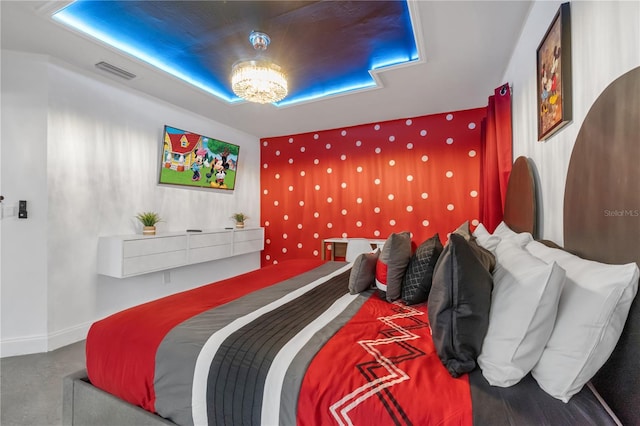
[[148, 220], [239, 218]]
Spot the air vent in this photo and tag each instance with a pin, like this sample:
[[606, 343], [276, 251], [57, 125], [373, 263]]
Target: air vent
[[105, 66]]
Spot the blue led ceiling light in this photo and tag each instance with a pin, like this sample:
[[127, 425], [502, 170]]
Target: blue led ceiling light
[[326, 48]]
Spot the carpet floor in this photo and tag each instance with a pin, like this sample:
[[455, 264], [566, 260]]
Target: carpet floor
[[31, 385]]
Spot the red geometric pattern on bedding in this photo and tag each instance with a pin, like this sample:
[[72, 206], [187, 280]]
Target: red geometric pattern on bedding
[[133, 379], [420, 174], [385, 367]]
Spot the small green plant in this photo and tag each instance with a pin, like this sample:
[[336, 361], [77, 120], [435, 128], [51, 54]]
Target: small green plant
[[239, 217], [148, 218]]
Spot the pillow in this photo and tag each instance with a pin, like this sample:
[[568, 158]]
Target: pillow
[[485, 239], [417, 279], [392, 264], [593, 308], [464, 231], [503, 231], [458, 306], [363, 272], [485, 256], [524, 304]]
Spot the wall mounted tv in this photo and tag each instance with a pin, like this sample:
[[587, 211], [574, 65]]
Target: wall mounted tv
[[193, 160]]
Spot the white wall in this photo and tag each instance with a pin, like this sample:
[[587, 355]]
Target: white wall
[[84, 152], [605, 41]]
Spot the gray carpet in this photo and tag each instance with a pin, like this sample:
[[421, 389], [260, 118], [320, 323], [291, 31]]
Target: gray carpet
[[31, 385]]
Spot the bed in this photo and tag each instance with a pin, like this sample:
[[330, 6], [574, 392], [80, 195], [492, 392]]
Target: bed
[[290, 344]]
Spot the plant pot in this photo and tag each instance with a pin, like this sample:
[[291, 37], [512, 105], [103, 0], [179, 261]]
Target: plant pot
[[149, 230], [239, 225]]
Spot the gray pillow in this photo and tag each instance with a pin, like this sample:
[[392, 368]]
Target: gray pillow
[[363, 272], [392, 264], [417, 280]]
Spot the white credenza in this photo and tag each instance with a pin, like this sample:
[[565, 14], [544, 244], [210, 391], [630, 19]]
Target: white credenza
[[124, 256]]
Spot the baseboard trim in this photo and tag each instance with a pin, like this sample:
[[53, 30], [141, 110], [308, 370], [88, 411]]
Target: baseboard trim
[[43, 343], [70, 335]]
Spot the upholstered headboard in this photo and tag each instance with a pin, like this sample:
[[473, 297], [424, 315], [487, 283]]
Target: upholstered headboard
[[520, 205], [602, 220]]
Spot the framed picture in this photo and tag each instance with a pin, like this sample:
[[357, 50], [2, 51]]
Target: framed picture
[[554, 75], [197, 161]]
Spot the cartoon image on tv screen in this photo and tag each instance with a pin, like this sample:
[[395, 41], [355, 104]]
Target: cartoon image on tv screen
[[195, 160]]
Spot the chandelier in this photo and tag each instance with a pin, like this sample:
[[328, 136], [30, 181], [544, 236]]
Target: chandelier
[[259, 80]]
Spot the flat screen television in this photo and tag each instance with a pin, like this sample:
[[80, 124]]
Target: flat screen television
[[197, 161]]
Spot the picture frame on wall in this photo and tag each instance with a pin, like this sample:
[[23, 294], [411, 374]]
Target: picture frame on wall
[[554, 75]]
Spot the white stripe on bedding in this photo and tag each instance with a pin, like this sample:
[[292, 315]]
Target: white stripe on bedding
[[275, 376], [208, 351]]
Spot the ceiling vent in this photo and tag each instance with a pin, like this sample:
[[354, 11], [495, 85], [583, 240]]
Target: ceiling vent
[[112, 69]]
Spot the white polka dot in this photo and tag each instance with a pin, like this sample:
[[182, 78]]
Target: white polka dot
[[268, 241], [390, 197], [343, 157], [301, 203], [344, 212], [377, 150], [472, 153], [290, 140], [425, 222], [343, 133], [450, 207], [328, 146], [392, 163], [317, 187], [343, 185], [392, 222], [423, 133], [359, 200], [376, 127], [409, 145], [409, 178], [329, 170], [285, 217], [409, 208], [275, 203], [377, 181], [275, 262], [299, 226], [376, 233], [315, 253], [376, 209], [316, 136], [277, 152], [449, 141], [329, 199], [302, 173], [424, 195], [358, 143], [425, 158], [449, 174], [290, 160], [316, 235], [284, 249], [408, 122], [359, 224], [267, 257], [449, 117], [265, 166], [329, 225], [359, 169], [265, 192], [303, 149], [265, 143], [290, 188], [316, 161], [277, 176], [299, 245], [472, 126], [392, 138], [475, 222], [344, 235], [316, 215], [285, 236], [266, 223], [474, 194]]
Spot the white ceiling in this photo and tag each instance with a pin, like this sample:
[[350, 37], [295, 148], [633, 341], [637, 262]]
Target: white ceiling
[[466, 46]]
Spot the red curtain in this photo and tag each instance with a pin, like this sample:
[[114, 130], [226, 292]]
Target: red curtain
[[496, 157]]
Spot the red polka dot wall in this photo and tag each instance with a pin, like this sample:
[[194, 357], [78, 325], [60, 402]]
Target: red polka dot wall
[[418, 174]]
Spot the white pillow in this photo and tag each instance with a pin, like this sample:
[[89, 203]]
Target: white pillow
[[503, 232], [485, 239], [593, 308], [524, 304]]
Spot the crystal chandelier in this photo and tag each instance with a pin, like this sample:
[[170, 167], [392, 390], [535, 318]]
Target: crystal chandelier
[[259, 80]]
